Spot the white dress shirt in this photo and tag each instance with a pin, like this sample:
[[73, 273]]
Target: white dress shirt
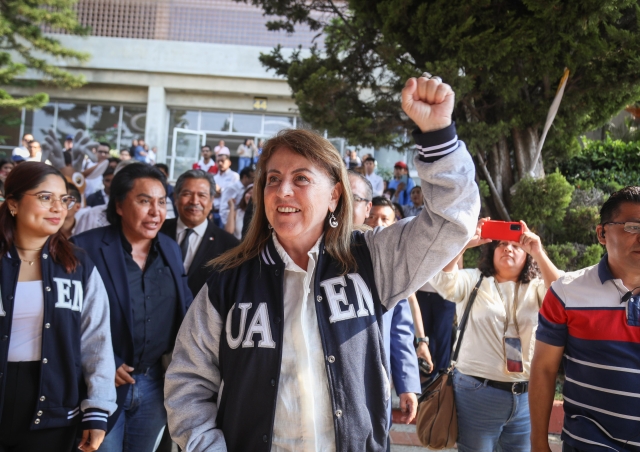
[[195, 239], [376, 182], [224, 181], [304, 417], [235, 192]]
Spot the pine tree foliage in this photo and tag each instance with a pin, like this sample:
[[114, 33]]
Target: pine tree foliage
[[23, 46], [504, 58]]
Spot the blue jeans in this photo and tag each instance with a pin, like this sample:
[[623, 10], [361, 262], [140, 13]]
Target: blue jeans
[[243, 162], [490, 419], [141, 423]]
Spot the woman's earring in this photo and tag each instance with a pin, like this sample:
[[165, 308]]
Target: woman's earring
[[269, 226], [333, 221], [13, 213]]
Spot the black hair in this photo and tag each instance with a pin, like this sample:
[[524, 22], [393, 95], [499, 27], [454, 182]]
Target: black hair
[[205, 146], [162, 166], [104, 143], [195, 174], [611, 206], [109, 171], [113, 159], [246, 171], [123, 182], [379, 201], [370, 159], [485, 264], [399, 211], [367, 183], [72, 190]]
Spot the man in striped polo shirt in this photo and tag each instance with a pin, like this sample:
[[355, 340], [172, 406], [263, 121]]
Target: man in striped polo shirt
[[591, 317]]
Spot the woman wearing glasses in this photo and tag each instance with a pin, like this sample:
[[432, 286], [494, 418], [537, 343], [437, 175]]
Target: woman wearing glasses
[[56, 361]]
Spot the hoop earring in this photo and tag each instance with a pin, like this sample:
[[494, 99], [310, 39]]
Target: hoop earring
[[333, 221]]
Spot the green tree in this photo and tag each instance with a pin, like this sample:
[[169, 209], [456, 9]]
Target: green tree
[[504, 58], [24, 45]]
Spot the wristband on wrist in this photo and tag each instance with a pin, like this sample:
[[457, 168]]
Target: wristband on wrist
[[422, 339]]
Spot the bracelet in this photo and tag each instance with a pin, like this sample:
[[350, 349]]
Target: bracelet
[[422, 339]]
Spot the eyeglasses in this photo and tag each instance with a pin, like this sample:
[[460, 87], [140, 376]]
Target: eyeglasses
[[47, 200], [629, 226], [357, 198]]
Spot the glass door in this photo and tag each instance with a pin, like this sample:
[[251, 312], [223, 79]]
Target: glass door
[[185, 150]]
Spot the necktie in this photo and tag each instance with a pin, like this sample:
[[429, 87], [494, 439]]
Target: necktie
[[184, 245]]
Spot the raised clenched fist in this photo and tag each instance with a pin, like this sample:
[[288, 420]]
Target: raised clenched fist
[[428, 102]]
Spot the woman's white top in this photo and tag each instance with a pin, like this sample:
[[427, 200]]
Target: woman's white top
[[482, 352], [26, 327], [239, 224], [304, 417]]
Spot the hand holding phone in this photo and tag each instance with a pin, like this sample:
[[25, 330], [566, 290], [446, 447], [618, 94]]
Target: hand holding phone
[[502, 230]]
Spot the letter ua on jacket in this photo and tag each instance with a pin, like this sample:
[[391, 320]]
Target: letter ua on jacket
[[222, 386]]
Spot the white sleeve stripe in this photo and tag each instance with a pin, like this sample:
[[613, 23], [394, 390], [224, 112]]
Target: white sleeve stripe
[[435, 154], [94, 418], [439, 146]]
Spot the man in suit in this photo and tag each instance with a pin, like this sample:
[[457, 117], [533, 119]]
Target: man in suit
[[101, 197], [148, 297], [200, 240]]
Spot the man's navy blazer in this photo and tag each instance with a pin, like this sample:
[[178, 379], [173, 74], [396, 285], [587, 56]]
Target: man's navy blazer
[[104, 246]]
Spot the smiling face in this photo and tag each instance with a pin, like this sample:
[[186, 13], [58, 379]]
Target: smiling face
[[194, 202], [35, 220], [143, 210], [298, 197], [509, 260]]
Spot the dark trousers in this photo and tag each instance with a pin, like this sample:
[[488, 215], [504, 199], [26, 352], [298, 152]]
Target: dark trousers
[[568, 448], [437, 319], [20, 399]]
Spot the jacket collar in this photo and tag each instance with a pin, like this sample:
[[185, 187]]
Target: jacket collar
[[604, 272]]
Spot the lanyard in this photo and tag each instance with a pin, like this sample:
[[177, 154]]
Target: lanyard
[[506, 307]]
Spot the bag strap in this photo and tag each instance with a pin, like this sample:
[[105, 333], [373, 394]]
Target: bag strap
[[465, 318]]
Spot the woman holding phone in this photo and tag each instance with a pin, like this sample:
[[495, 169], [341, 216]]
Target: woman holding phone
[[56, 361], [491, 377]]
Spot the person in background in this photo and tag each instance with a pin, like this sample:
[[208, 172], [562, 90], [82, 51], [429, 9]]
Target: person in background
[[17, 159], [398, 211], [590, 321], [199, 239], [55, 354], [125, 154], [206, 163], [134, 145], [95, 185], [23, 150], [225, 178], [417, 203], [68, 147], [5, 168], [149, 296], [101, 197], [139, 153], [152, 155], [35, 151], [236, 193], [402, 183], [68, 227], [259, 151], [246, 152], [376, 181], [352, 160], [221, 147], [491, 377], [236, 215], [113, 162]]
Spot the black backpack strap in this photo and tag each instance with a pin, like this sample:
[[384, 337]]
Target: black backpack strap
[[465, 318]]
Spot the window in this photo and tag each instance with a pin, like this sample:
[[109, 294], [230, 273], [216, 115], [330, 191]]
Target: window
[[134, 122], [38, 122], [250, 124], [215, 121], [103, 123]]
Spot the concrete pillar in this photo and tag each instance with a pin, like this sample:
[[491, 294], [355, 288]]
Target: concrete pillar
[[155, 131]]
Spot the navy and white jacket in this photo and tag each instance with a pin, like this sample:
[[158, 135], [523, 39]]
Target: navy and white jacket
[[78, 370], [221, 387]]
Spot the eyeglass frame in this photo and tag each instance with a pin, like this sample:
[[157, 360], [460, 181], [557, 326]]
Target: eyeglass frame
[[625, 225], [54, 199], [357, 198]]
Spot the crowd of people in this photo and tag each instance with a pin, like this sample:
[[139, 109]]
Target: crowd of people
[[276, 307]]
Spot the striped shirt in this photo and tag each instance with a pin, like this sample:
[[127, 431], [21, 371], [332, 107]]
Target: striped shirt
[[584, 313]]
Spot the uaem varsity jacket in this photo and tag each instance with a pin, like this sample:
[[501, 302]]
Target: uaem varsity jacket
[[78, 371], [221, 387]]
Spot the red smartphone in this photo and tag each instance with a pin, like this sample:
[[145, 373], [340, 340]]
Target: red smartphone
[[501, 230]]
